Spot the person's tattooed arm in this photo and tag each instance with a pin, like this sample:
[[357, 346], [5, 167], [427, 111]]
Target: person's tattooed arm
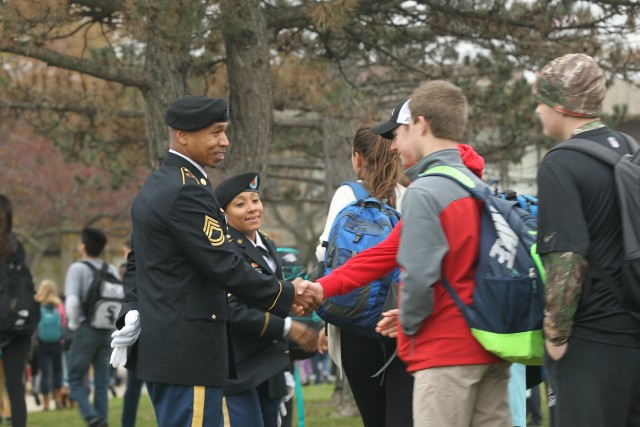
[[566, 272]]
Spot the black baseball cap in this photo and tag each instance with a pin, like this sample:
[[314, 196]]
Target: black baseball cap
[[401, 115]]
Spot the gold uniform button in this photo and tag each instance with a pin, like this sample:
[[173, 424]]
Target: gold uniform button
[[203, 181], [213, 316]]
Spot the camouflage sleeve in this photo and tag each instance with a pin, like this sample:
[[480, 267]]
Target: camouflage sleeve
[[566, 272]]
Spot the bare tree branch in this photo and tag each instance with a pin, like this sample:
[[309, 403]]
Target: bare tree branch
[[121, 74]]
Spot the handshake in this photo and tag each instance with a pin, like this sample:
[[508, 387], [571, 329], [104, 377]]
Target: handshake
[[308, 296]]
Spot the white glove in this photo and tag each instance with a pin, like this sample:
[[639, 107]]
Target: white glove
[[118, 357], [291, 386], [124, 338]]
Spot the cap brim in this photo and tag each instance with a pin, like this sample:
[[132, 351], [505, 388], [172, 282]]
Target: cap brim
[[385, 129]]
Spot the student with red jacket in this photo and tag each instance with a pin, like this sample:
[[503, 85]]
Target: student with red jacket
[[380, 260]]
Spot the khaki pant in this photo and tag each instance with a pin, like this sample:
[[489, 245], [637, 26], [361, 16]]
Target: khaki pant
[[462, 396]]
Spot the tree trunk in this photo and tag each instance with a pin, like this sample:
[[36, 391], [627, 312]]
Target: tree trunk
[[167, 63], [337, 151], [251, 98]]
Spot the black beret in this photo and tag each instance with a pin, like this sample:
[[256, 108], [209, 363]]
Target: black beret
[[193, 112], [231, 187]]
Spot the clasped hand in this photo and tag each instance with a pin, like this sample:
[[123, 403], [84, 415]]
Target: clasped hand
[[308, 296], [306, 337]]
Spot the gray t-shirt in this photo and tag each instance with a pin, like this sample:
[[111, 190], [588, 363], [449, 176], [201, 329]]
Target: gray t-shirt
[[76, 288]]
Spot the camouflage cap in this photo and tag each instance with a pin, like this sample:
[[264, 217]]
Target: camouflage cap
[[572, 84]]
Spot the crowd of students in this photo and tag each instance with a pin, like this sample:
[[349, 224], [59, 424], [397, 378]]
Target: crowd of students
[[184, 282]]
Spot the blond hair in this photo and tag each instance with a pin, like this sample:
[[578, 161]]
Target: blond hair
[[444, 106], [47, 293]]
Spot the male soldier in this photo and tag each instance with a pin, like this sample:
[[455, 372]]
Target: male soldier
[[180, 270], [592, 342]]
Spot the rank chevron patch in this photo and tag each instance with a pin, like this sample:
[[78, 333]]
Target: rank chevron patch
[[213, 231]]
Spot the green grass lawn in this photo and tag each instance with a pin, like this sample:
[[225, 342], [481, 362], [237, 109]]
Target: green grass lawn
[[317, 402]]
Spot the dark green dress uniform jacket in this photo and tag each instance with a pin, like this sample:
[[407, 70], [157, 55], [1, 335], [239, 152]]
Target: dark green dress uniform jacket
[[260, 351], [179, 271]]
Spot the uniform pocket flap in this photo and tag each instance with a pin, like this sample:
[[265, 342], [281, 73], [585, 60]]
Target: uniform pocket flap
[[207, 306]]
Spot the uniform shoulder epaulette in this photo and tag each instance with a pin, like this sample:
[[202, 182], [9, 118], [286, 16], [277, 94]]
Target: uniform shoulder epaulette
[[187, 176]]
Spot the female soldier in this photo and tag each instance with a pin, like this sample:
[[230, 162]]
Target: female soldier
[[260, 350]]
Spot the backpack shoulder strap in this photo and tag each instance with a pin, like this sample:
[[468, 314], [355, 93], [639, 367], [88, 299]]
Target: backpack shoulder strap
[[358, 189], [90, 265], [590, 148], [457, 176], [103, 269], [633, 144]]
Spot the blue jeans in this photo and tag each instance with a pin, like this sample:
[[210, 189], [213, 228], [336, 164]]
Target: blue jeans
[[50, 361], [90, 346]]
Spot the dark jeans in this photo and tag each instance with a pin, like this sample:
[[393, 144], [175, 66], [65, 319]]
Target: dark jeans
[[131, 399], [533, 405], [386, 400], [594, 384], [14, 358], [50, 362], [90, 346]]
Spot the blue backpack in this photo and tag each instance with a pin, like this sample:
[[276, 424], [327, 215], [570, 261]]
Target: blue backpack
[[508, 299], [526, 201], [50, 325], [358, 226]]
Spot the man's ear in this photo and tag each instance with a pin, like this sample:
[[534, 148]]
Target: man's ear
[[182, 137], [425, 126]]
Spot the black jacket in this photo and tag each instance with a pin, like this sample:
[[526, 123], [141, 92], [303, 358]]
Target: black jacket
[[260, 351], [179, 271]]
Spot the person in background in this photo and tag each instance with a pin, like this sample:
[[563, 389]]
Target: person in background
[[260, 349], [385, 400], [15, 348], [533, 407], [49, 342], [90, 346], [592, 341]]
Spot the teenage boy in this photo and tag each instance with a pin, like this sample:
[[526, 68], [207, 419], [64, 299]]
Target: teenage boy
[[592, 342], [457, 383], [90, 346]]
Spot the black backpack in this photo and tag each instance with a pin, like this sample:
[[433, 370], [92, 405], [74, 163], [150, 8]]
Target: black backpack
[[626, 170], [104, 298], [19, 312]]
